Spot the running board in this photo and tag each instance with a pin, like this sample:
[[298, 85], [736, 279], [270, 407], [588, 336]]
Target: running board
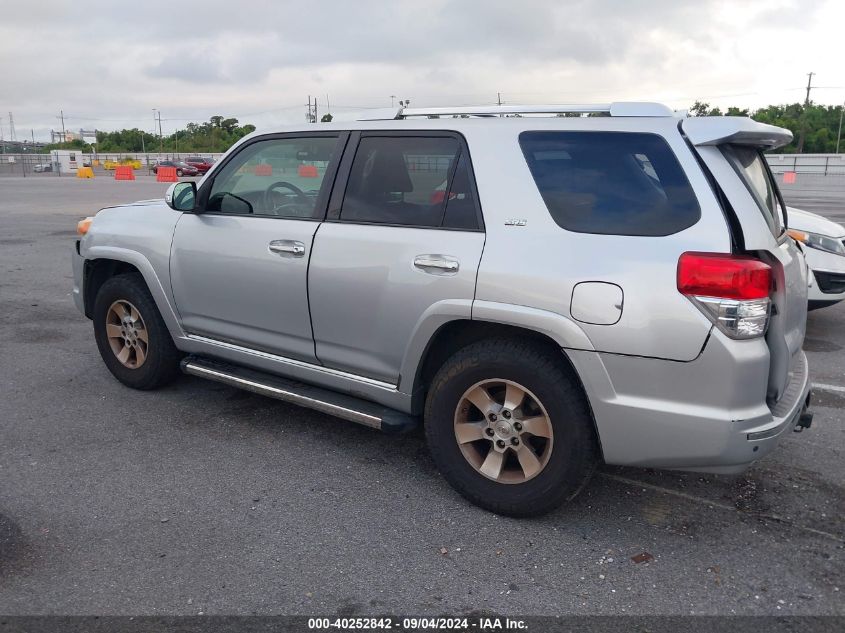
[[339, 405]]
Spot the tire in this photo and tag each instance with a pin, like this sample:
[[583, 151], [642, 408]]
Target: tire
[[178, 173], [157, 362], [550, 390]]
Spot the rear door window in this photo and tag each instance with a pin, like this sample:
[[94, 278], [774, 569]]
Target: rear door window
[[751, 166], [611, 183], [410, 181]]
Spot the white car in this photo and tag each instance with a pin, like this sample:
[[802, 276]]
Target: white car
[[824, 243]]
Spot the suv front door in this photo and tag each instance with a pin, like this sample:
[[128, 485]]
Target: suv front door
[[403, 234], [239, 265]]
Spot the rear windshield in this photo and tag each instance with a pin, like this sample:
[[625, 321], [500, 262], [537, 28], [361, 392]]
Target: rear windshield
[[612, 183], [751, 166]]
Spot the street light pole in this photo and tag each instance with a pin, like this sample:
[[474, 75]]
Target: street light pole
[[839, 134]]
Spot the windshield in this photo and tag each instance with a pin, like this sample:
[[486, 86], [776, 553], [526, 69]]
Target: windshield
[[751, 166]]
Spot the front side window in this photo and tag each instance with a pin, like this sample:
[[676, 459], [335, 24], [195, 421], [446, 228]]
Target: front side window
[[751, 166], [611, 183], [409, 181], [276, 177]]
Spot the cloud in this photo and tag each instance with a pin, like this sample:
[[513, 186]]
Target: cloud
[[109, 64]]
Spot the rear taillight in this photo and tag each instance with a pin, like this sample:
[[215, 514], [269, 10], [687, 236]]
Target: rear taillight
[[733, 291]]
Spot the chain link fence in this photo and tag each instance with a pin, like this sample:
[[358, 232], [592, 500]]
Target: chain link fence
[[45, 165]]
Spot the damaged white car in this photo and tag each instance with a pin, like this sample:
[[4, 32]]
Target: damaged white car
[[824, 249]]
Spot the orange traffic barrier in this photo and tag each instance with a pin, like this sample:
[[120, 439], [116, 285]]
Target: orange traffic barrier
[[307, 171], [166, 174], [263, 170], [124, 172]]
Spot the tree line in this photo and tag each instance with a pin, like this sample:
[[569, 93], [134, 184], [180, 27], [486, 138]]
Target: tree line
[[815, 129], [212, 137]]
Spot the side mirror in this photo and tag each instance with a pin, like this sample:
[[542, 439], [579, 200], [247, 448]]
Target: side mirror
[[181, 196]]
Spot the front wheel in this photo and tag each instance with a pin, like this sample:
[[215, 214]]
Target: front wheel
[[131, 335], [509, 428]]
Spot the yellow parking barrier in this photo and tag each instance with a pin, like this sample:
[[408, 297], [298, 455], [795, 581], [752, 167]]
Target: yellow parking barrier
[[84, 172]]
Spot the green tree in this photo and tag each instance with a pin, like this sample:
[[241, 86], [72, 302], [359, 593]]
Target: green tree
[[814, 127]]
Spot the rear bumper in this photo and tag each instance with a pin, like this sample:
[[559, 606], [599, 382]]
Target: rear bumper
[[706, 415]]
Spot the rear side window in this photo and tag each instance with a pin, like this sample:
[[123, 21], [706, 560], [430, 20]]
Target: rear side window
[[410, 181], [751, 166], [611, 183]]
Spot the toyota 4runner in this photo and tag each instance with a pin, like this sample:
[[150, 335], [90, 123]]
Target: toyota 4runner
[[543, 288]]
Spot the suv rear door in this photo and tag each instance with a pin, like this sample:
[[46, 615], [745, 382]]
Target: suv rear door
[[734, 157], [403, 235]]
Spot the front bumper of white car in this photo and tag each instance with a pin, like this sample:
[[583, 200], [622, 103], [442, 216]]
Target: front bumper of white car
[[828, 284]]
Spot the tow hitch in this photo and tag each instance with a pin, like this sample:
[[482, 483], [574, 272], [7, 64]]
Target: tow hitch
[[805, 420]]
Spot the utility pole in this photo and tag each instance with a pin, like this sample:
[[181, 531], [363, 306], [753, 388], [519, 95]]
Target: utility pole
[[809, 86], [12, 136], [392, 99], [160, 139], [62, 117], [839, 134], [499, 98]]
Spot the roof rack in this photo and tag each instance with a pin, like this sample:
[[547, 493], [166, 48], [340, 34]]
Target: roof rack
[[620, 108]]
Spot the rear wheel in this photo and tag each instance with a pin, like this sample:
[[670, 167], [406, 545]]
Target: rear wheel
[[509, 428], [131, 335]]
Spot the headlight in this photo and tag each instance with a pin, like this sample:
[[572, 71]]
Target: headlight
[[819, 242]]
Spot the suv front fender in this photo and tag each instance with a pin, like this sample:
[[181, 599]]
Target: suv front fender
[[160, 295]]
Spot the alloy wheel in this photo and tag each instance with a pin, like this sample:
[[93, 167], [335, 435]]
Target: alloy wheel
[[503, 431], [127, 334]]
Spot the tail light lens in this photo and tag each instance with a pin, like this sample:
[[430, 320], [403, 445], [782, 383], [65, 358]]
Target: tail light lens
[[733, 291]]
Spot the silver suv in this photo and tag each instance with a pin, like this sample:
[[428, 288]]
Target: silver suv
[[543, 288]]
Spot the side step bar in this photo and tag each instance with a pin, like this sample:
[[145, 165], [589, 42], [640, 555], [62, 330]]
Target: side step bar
[[339, 405]]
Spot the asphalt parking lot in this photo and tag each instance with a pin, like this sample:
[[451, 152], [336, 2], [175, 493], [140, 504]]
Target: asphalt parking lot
[[203, 499]]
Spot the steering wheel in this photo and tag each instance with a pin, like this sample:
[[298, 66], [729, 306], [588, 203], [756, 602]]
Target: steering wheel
[[276, 201]]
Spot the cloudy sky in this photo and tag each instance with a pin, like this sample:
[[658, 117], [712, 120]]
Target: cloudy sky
[[107, 65]]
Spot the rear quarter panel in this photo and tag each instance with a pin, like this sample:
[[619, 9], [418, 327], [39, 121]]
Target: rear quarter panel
[[539, 264]]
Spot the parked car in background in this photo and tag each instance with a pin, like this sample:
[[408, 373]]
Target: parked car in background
[[202, 164], [42, 167], [824, 248], [540, 293], [182, 168]]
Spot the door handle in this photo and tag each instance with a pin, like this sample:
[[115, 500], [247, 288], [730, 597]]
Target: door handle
[[288, 248], [437, 264]]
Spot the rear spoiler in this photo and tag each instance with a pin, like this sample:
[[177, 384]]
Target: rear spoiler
[[718, 130]]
